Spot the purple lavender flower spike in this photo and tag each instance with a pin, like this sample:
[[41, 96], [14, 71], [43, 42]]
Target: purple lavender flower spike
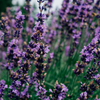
[[59, 92], [2, 88]]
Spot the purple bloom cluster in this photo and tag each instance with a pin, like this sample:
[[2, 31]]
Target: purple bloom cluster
[[2, 88], [79, 14], [18, 23], [89, 53], [83, 96], [59, 92], [42, 93], [27, 8], [5, 30], [97, 79], [89, 90], [29, 48]]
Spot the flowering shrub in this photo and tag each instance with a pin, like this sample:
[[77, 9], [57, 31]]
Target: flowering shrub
[[57, 59]]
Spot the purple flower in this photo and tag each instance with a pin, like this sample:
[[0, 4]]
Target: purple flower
[[83, 96], [59, 92], [20, 16], [97, 79], [2, 88], [51, 55]]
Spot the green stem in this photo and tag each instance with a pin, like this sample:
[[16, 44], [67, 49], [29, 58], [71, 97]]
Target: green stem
[[49, 84]]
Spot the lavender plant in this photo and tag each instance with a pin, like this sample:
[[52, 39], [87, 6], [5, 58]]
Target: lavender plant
[[57, 59]]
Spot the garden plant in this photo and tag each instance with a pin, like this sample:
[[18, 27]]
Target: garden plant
[[52, 56]]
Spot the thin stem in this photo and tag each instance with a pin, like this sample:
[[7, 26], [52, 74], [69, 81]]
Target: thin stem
[[49, 84]]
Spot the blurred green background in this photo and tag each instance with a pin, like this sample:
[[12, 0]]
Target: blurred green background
[[4, 4]]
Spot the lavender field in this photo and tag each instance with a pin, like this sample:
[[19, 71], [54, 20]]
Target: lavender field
[[50, 55]]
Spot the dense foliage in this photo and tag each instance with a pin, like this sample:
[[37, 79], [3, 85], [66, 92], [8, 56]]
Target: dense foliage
[[57, 59]]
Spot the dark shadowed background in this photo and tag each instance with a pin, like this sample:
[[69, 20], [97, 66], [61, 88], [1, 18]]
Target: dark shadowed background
[[4, 4]]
